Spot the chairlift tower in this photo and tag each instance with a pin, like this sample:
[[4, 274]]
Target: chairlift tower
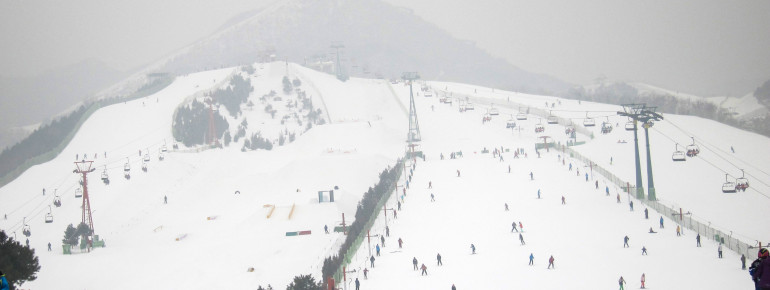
[[414, 126], [84, 167], [340, 75], [644, 114]]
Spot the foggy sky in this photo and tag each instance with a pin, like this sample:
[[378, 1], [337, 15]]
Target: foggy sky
[[706, 47]]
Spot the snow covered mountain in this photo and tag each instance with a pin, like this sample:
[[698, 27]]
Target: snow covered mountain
[[229, 212]]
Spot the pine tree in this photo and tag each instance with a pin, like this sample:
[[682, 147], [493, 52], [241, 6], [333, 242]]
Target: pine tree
[[70, 236], [304, 282], [18, 262]]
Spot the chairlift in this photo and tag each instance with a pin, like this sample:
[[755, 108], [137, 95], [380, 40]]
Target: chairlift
[[56, 199], [49, 216], [729, 186], [510, 124], [494, 112], [163, 147], [693, 149], [26, 229], [146, 157], [105, 177], [127, 166], [588, 122], [553, 119], [79, 192], [630, 125], [539, 128], [742, 183], [678, 154], [469, 106]]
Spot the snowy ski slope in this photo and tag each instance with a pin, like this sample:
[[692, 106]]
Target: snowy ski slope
[[221, 234]]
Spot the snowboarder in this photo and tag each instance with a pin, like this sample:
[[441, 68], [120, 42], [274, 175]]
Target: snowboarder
[[414, 263], [678, 231], [646, 216], [372, 261], [550, 262], [621, 282], [644, 279], [625, 242], [531, 259], [661, 222], [644, 251], [358, 283], [438, 260], [473, 249], [652, 232], [424, 270], [377, 248], [719, 250], [514, 227], [521, 239], [400, 243], [326, 229], [697, 240]]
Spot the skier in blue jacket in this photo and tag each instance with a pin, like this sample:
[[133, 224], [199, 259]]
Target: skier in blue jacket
[[3, 282]]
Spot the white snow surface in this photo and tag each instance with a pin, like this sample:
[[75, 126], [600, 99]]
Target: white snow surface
[[222, 234]]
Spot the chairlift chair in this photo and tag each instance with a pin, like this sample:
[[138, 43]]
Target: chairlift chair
[[49, 216], [678, 154], [78, 192], [144, 166], [510, 124], [26, 230], [742, 183], [553, 120], [469, 106], [161, 157], [163, 148], [539, 127], [105, 177], [588, 122], [56, 199], [729, 186], [521, 116], [606, 127], [693, 149], [175, 146], [146, 157], [494, 112], [630, 125]]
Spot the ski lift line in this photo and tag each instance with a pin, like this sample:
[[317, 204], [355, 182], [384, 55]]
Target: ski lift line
[[720, 169], [706, 145]]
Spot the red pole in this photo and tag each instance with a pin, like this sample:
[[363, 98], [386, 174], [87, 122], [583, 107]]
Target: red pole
[[680, 214], [344, 277], [386, 214]]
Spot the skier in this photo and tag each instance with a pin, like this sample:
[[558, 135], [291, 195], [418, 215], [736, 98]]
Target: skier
[[661, 222], [506, 206], [400, 243], [399, 205], [646, 216], [414, 263], [509, 169], [618, 197], [570, 166], [644, 251], [430, 184], [531, 259], [621, 282], [49, 247], [453, 287], [438, 260], [732, 149], [473, 249], [757, 265], [521, 227], [586, 176], [625, 242], [382, 239], [531, 176], [521, 239], [458, 173], [678, 231], [719, 250], [378, 250], [538, 194], [644, 279], [697, 240], [387, 231], [432, 198], [372, 261], [395, 216], [366, 271], [597, 184], [631, 204], [4, 282], [514, 227], [326, 229], [563, 200], [607, 190], [424, 270], [550, 262], [165, 199], [358, 284]]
